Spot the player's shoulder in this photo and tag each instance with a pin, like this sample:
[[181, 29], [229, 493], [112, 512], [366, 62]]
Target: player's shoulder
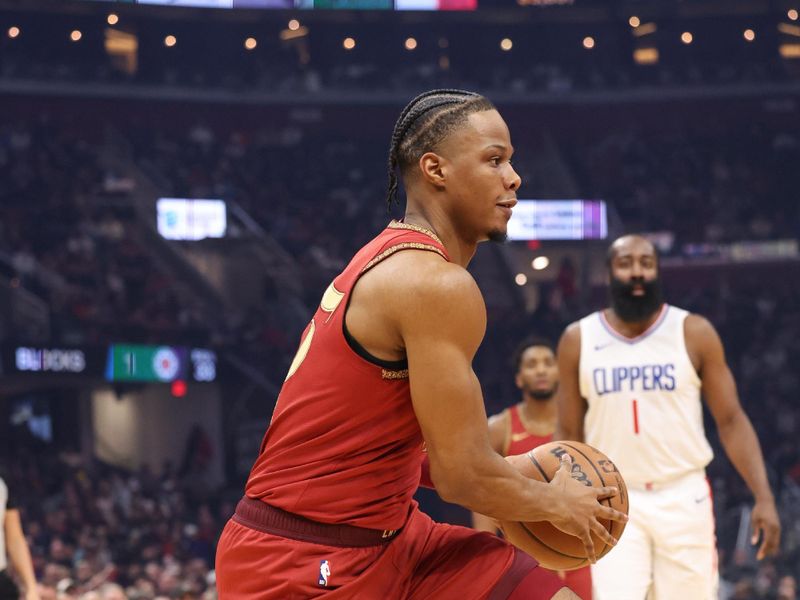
[[424, 277], [571, 335], [698, 325], [500, 419]]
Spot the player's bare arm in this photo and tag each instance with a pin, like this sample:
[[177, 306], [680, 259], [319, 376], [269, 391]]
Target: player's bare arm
[[435, 311], [499, 431], [735, 430], [19, 553], [571, 405]]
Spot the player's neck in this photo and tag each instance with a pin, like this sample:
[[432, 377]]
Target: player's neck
[[632, 329], [538, 413], [459, 250]]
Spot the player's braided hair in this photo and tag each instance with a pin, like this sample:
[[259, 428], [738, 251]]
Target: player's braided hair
[[424, 123]]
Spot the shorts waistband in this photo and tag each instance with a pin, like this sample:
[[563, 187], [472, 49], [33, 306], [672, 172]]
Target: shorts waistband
[[654, 486], [262, 517]]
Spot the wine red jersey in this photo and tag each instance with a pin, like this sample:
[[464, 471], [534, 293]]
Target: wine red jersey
[[520, 440], [344, 444]]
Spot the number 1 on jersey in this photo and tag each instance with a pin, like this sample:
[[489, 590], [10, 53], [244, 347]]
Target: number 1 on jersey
[[635, 417]]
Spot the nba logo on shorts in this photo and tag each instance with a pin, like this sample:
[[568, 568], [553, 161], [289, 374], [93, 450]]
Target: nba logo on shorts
[[324, 572]]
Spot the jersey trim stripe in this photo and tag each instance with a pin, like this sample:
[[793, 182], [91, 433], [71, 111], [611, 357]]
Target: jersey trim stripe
[[647, 333], [402, 246]]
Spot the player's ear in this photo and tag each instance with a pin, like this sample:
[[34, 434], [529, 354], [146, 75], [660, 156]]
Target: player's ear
[[431, 165], [518, 381]]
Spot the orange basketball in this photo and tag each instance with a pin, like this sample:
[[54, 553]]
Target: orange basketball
[[553, 548]]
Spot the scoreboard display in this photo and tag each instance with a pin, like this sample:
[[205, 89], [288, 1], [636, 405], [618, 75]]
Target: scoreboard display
[[559, 220], [143, 363], [318, 4], [118, 362]]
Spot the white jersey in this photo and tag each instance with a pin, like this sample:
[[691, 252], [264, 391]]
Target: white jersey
[[3, 501], [643, 394]]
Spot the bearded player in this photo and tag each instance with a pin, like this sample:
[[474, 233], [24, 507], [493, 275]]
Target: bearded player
[[632, 378], [383, 367], [531, 423]]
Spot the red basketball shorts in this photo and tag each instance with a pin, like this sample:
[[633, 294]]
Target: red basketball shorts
[[425, 560]]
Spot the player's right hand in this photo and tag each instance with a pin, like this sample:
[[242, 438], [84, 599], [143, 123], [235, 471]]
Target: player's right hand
[[577, 508]]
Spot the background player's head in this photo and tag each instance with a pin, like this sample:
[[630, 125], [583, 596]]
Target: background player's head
[[634, 278], [453, 151], [536, 369]]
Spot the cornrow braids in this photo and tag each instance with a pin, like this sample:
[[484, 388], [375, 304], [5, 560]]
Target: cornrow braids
[[423, 124]]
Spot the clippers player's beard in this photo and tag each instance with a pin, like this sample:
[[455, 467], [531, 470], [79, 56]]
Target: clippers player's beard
[[633, 309]]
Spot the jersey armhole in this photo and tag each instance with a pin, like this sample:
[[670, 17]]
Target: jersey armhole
[[355, 345], [698, 380]]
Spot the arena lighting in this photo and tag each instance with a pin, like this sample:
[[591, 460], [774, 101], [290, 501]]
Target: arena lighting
[[411, 43], [13, 32], [749, 35], [294, 25], [521, 279], [76, 35], [506, 44], [687, 37], [645, 56], [112, 19], [349, 43], [792, 14], [250, 43], [791, 51], [170, 41], [178, 388], [789, 29], [293, 34], [540, 263], [645, 29], [634, 21], [588, 42]]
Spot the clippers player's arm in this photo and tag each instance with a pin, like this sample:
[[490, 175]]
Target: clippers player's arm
[[571, 405], [19, 554], [441, 319], [499, 430], [735, 429]]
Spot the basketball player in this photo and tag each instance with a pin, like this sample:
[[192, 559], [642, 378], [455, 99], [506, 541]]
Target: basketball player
[[385, 365], [13, 542], [529, 424], [632, 377]]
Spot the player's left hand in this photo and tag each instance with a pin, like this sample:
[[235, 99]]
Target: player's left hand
[[767, 526]]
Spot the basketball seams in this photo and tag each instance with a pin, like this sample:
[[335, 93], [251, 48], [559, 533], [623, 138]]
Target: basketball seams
[[538, 466], [534, 537], [607, 501], [589, 460]]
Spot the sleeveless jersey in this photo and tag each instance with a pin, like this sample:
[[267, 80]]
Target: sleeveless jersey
[[644, 401], [520, 440], [344, 445]]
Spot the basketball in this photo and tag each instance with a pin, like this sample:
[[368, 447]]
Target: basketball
[[553, 548]]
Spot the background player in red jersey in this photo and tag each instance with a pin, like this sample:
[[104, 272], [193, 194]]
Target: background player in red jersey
[[531, 423], [384, 366]]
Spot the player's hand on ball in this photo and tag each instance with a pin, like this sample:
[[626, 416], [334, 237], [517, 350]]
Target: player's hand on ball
[[766, 525], [578, 508]]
